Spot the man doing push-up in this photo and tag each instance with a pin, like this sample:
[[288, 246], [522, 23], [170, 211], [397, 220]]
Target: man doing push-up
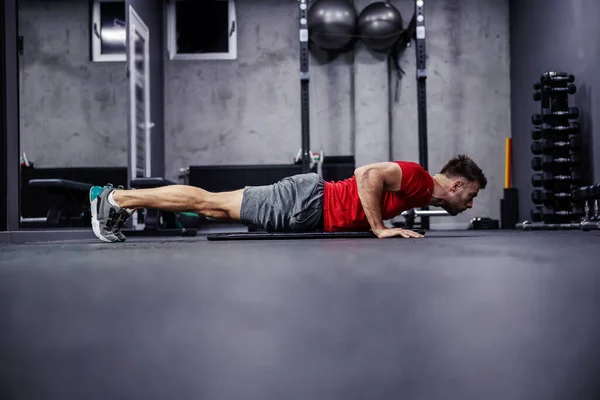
[[305, 202]]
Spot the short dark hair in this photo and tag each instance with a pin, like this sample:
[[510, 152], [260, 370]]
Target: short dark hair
[[464, 166]]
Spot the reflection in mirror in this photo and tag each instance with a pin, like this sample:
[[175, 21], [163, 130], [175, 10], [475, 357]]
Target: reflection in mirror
[[73, 106]]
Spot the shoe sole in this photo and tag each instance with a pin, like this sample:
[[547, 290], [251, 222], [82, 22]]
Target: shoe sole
[[95, 222]]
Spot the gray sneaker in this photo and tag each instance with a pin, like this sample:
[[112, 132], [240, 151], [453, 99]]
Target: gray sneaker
[[123, 217], [107, 220]]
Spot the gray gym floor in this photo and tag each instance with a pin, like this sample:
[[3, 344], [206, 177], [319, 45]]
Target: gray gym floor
[[457, 315]]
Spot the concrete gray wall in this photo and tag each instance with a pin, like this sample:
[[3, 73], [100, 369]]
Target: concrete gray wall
[[571, 45], [73, 111], [248, 110]]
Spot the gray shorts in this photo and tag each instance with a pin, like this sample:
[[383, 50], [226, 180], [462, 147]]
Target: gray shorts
[[293, 204]]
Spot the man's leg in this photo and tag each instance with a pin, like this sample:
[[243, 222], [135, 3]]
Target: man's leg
[[179, 198], [112, 207]]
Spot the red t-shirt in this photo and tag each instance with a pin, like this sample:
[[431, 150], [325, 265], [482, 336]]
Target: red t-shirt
[[343, 210]]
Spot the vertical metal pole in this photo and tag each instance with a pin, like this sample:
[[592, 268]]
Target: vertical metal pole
[[421, 91], [304, 85], [10, 124], [3, 130]]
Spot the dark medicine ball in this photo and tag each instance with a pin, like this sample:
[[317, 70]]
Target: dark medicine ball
[[380, 26], [332, 23]]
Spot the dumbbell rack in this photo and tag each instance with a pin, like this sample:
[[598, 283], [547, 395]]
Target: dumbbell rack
[[556, 150]]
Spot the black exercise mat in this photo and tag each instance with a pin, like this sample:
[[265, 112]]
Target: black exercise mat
[[293, 235]]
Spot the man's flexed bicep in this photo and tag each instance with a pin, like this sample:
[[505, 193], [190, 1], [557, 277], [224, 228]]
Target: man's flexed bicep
[[373, 181]]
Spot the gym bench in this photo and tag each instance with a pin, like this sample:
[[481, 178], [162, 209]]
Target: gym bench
[[73, 208]]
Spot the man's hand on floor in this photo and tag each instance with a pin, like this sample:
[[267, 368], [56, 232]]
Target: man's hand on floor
[[395, 232]]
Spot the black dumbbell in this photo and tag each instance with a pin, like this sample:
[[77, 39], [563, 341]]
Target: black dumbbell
[[547, 161], [587, 225], [570, 89], [548, 179], [590, 192], [541, 213], [548, 77], [571, 113], [552, 116], [554, 90], [548, 132], [545, 145], [545, 197], [536, 216], [580, 193]]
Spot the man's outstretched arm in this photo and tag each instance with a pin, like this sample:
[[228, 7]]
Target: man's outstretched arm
[[373, 181]]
